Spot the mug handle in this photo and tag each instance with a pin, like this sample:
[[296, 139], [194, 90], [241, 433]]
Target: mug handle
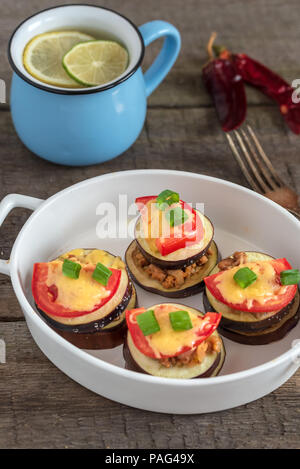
[[168, 54], [7, 205]]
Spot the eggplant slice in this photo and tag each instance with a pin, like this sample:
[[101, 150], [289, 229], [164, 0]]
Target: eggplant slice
[[106, 327], [137, 361], [110, 310], [92, 326], [272, 334], [108, 337], [242, 321], [253, 328], [180, 258], [191, 286]]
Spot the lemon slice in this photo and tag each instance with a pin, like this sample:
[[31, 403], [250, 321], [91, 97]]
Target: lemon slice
[[44, 53], [96, 62]]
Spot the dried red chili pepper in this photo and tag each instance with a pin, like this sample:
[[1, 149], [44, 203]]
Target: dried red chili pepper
[[271, 84], [224, 83]]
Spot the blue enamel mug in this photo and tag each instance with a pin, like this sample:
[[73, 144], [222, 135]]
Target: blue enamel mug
[[84, 126]]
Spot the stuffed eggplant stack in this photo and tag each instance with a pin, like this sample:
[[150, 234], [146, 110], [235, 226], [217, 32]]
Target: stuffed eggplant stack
[[173, 248], [173, 341], [83, 295], [257, 296]]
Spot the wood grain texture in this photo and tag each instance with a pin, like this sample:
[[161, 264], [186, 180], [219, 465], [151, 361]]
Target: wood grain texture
[[242, 26], [40, 407]]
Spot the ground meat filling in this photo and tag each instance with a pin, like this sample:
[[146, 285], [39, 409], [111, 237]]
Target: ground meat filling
[[195, 356], [236, 259], [170, 278]]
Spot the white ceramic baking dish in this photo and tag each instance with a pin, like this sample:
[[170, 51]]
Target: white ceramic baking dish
[[242, 219]]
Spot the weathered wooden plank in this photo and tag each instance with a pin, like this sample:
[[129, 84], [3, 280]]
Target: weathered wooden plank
[[272, 39], [177, 138], [36, 396]]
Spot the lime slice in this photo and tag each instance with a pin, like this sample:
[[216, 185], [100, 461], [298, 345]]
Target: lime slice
[[96, 62], [44, 53]]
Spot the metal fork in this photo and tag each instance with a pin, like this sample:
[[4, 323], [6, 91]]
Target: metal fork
[[259, 171]]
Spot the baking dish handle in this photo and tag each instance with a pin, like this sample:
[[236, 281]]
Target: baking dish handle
[[7, 204]]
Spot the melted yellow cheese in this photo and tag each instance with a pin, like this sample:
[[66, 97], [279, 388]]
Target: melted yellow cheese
[[81, 294], [155, 224], [93, 256], [84, 293], [152, 224], [262, 290], [167, 341]]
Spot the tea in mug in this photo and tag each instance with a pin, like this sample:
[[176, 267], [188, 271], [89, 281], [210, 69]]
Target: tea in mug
[[74, 59]]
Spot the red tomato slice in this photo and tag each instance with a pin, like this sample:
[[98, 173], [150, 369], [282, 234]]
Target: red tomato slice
[[45, 296], [207, 325], [191, 232], [141, 201], [271, 305]]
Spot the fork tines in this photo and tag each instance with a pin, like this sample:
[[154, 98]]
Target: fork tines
[[254, 163]]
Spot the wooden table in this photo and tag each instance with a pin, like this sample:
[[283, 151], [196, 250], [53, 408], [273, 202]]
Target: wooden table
[[40, 407]]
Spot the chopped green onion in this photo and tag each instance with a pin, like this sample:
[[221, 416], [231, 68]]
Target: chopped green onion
[[71, 269], [167, 197], [290, 277], [180, 321], [101, 274], [148, 322], [245, 277], [176, 216]]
